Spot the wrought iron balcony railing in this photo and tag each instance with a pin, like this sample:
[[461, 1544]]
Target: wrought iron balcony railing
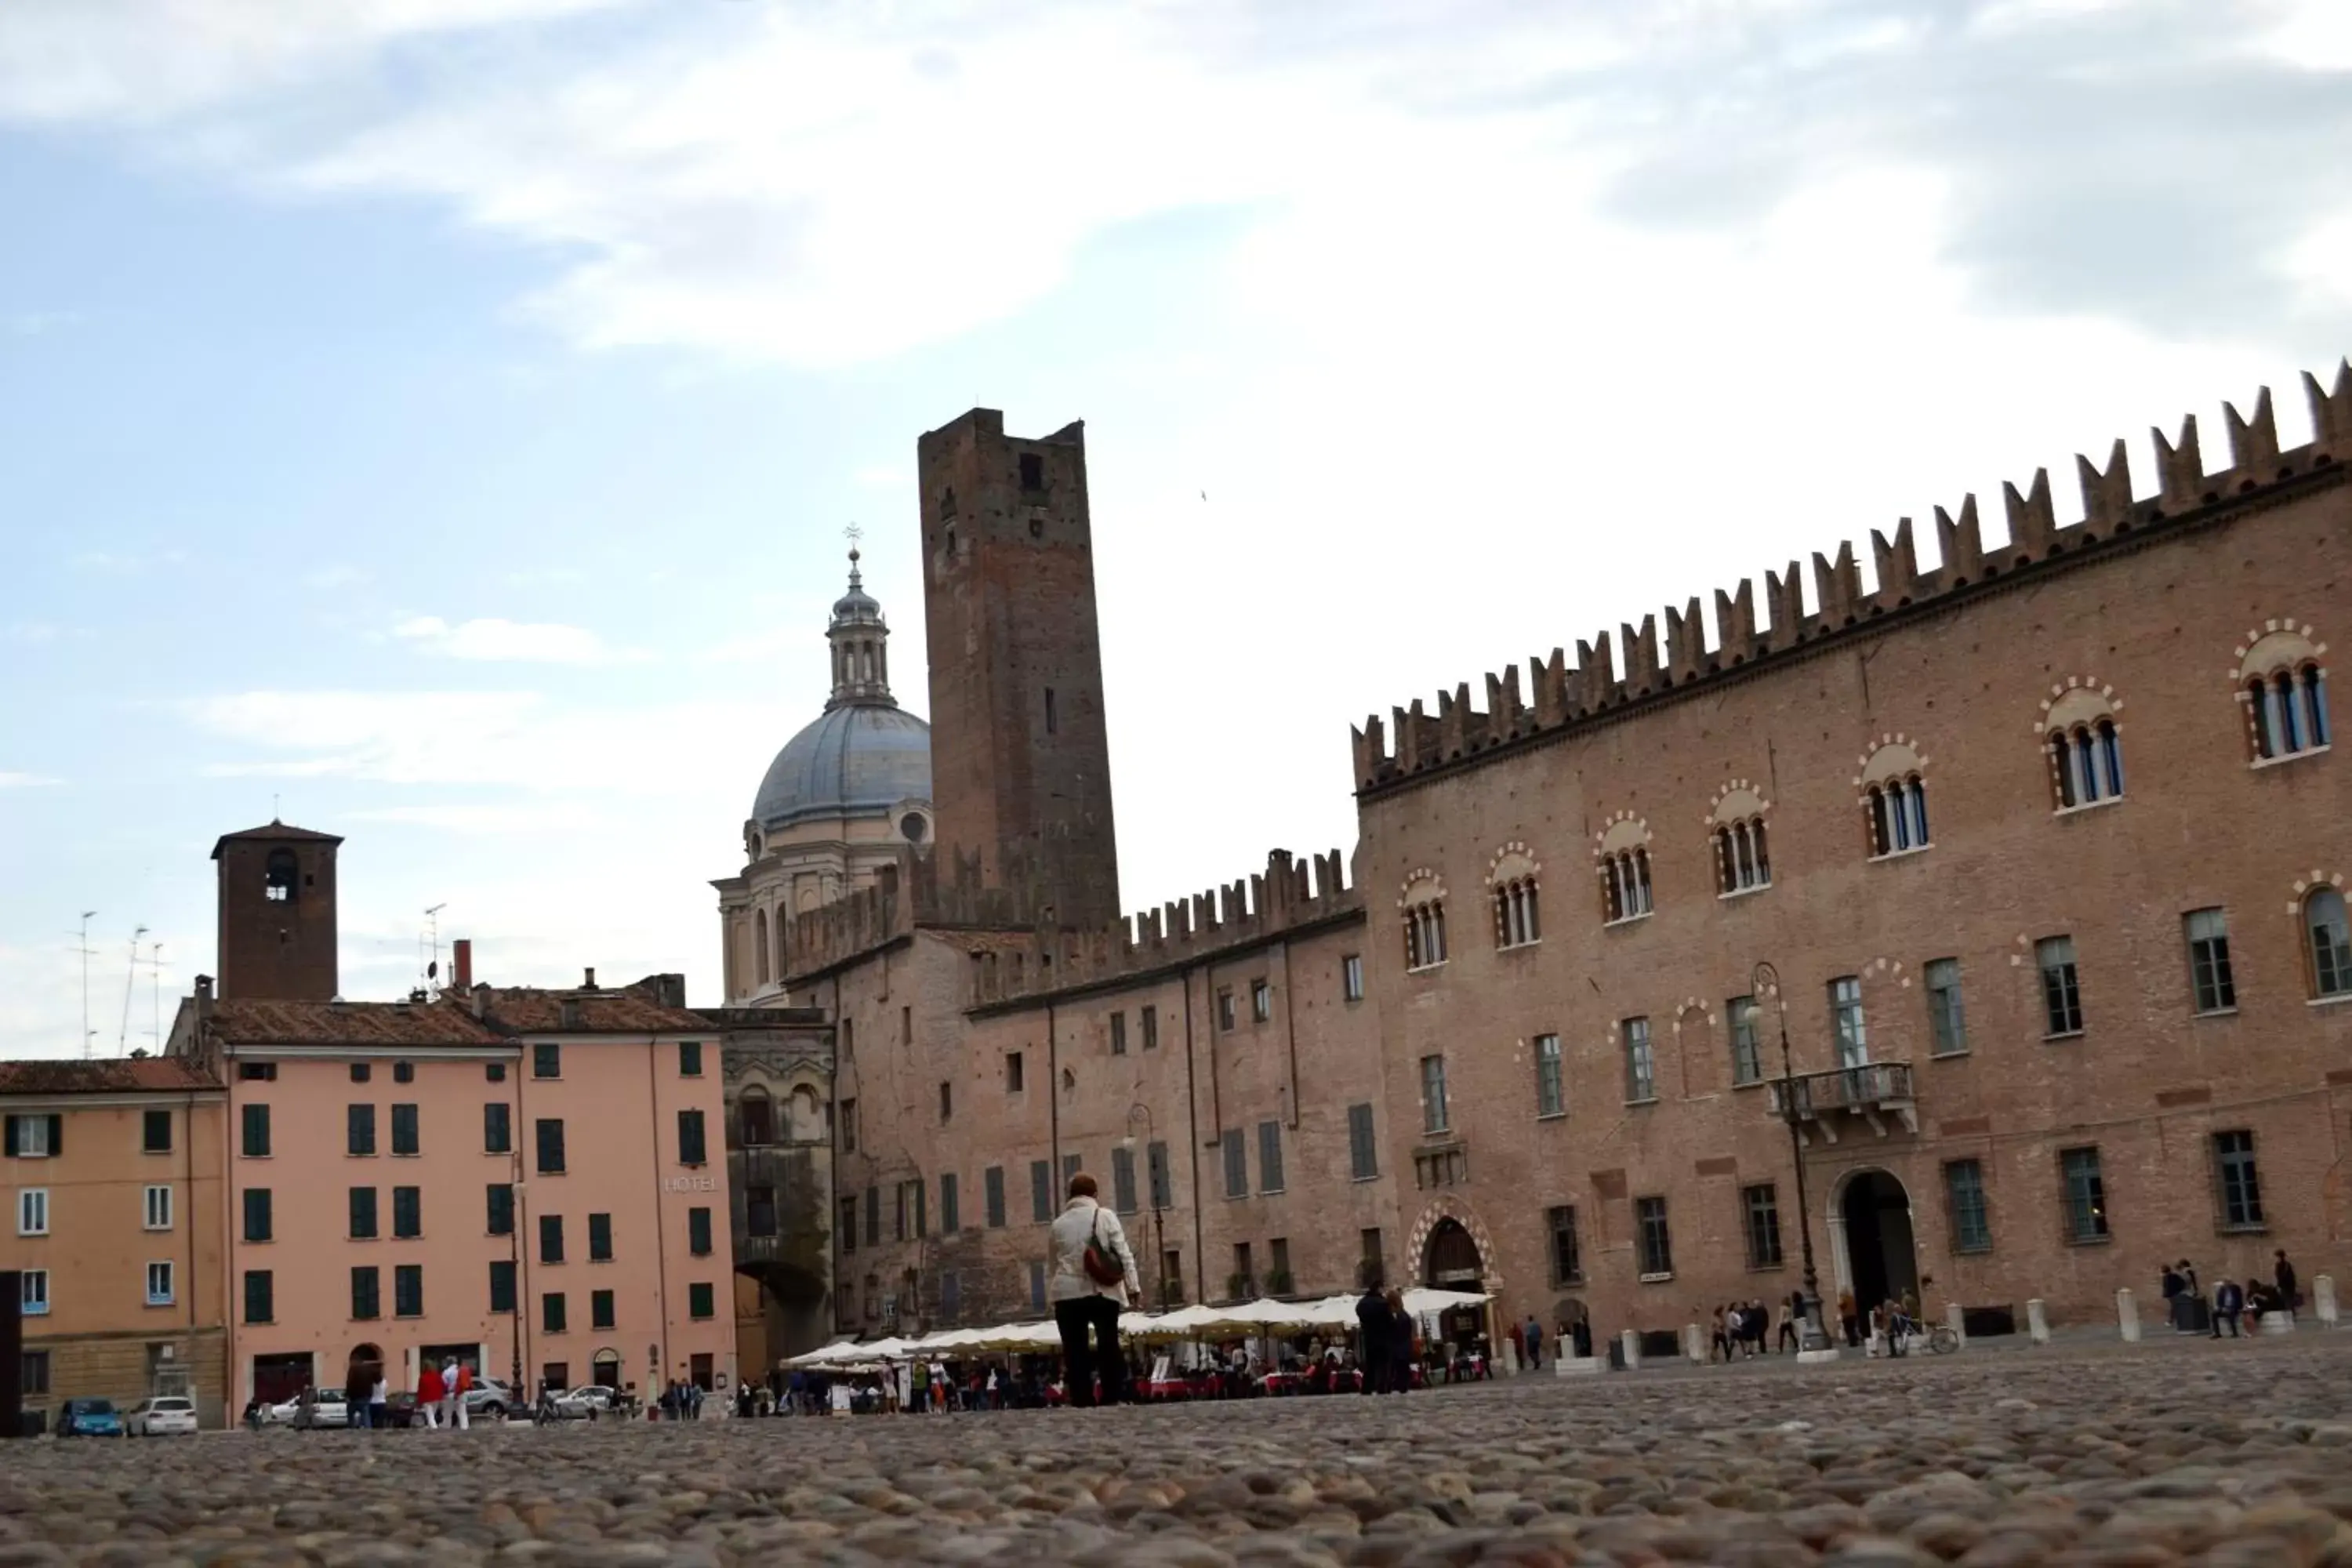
[[1873, 1092]]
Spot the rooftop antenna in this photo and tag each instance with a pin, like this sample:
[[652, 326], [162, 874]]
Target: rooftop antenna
[[86, 950], [155, 978], [433, 942], [130, 980]]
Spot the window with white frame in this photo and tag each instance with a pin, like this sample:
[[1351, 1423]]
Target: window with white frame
[[159, 1209], [1551, 1090], [2327, 937], [2211, 984], [1625, 886], [2086, 752], [1743, 859], [1947, 1019], [34, 1292], [1656, 1242], [1895, 799], [159, 1284], [1424, 934], [33, 1211], [1351, 978], [2283, 687], [1747, 1048], [1846, 1021], [2061, 992], [1511, 882], [1640, 1064]]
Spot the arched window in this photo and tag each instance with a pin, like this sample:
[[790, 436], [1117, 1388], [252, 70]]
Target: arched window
[[1512, 881], [2284, 689], [279, 873], [760, 945], [2324, 927], [1895, 799], [2087, 752], [1743, 860], [1622, 858], [759, 1118], [1422, 905]]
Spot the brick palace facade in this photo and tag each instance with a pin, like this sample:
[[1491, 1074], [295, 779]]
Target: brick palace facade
[[2044, 844]]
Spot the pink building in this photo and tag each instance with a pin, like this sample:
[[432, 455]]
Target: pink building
[[526, 1181], [532, 1181]]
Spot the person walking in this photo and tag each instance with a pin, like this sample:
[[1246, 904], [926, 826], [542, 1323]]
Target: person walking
[[1378, 1326], [457, 1380], [1790, 1316], [1093, 1273], [1401, 1352], [379, 1397], [357, 1386], [1535, 1344], [2228, 1301], [1721, 1343], [1849, 1319], [428, 1395], [2283, 1277]]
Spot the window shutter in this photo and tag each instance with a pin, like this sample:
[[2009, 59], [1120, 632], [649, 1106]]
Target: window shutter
[[12, 1137], [57, 1136]]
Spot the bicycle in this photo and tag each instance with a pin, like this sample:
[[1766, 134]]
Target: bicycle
[[1942, 1341]]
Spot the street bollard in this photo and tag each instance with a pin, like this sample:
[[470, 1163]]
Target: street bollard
[[2278, 1323], [2127, 1315], [1694, 1343], [2323, 1300], [1955, 1321], [1571, 1364], [1631, 1345], [2037, 1322]]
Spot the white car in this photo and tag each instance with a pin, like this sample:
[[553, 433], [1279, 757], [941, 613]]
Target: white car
[[488, 1398], [593, 1401], [163, 1416]]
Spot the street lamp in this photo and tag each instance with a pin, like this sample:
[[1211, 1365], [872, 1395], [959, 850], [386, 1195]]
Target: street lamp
[[1813, 1336], [514, 1280], [1141, 1112]]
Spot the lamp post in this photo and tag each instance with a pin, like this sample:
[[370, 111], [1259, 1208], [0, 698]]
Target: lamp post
[[1141, 1112], [514, 1276], [1813, 1335]]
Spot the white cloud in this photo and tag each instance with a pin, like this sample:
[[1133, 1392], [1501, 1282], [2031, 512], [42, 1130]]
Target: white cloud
[[506, 739], [492, 640], [26, 780], [339, 576]]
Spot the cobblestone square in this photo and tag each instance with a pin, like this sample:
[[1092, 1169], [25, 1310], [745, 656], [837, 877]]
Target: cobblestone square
[[2238, 1453]]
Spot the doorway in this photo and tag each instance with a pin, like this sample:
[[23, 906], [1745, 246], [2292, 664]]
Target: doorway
[[279, 1378], [1451, 1262], [1872, 1219]]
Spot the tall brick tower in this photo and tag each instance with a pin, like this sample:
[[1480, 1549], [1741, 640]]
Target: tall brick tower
[[1020, 762], [277, 914]]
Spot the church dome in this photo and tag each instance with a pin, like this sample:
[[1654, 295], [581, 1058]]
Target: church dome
[[864, 754], [859, 759]]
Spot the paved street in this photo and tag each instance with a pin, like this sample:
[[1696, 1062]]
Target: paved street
[[2086, 1454]]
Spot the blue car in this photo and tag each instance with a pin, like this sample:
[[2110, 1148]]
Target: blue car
[[89, 1418]]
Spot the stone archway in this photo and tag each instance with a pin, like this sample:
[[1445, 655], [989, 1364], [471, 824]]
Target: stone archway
[[1438, 1212], [1450, 1260], [1872, 1248]]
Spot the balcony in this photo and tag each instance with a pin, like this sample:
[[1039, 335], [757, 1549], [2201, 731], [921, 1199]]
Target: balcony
[[1875, 1094]]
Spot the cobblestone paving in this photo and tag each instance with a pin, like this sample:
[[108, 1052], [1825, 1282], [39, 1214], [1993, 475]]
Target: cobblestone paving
[[2218, 1453]]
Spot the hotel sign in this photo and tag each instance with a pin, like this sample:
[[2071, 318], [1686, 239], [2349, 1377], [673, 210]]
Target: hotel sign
[[689, 1184]]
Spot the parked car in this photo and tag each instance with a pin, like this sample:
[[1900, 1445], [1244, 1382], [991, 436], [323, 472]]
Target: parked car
[[589, 1403], [163, 1416], [488, 1397], [89, 1418], [322, 1410]]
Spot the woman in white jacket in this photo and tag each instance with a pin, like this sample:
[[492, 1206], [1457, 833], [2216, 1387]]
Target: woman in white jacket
[[1087, 1307]]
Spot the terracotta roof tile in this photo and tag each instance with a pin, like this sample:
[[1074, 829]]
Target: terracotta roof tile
[[522, 1010], [121, 1075], [249, 1022]]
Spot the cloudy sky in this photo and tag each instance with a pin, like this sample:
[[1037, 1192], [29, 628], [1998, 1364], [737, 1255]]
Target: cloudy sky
[[435, 419]]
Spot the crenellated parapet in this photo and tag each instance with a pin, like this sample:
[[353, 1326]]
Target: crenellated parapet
[[1559, 695], [1290, 896]]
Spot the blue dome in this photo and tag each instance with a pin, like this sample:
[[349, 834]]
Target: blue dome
[[858, 758]]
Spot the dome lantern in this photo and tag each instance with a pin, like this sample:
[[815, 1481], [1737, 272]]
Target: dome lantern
[[860, 639]]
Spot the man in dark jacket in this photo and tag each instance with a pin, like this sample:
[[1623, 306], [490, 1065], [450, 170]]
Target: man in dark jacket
[[2228, 1302], [1379, 1327], [2283, 1275]]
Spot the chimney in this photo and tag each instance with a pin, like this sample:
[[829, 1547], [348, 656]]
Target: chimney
[[203, 998], [589, 983], [461, 963]]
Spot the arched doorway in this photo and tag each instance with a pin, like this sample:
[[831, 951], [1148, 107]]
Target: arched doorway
[[1451, 1262], [1872, 1221]]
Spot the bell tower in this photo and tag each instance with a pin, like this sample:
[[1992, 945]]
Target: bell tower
[[1019, 758], [276, 898]]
